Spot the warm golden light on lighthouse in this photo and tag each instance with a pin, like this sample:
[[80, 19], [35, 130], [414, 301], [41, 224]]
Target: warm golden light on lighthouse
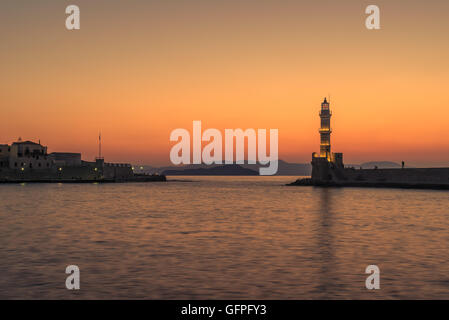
[[325, 130]]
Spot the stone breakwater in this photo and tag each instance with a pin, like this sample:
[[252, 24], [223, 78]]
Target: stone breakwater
[[418, 178]]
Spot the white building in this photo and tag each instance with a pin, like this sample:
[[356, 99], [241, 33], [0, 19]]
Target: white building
[[24, 154]]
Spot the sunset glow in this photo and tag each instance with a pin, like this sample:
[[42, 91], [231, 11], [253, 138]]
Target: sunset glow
[[137, 72]]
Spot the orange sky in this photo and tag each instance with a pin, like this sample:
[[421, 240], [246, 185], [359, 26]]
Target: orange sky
[[139, 69]]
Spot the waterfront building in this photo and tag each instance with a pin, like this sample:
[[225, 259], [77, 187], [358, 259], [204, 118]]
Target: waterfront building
[[25, 154], [28, 160]]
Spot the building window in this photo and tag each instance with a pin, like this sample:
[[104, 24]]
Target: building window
[[15, 164], [39, 165]]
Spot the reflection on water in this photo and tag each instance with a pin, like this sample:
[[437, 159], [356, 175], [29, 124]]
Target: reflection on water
[[324, 236], [223, 238]]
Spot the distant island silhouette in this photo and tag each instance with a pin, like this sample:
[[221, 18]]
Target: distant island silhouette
[[224, 170], [284, 168]]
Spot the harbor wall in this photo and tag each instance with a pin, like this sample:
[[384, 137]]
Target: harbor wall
[[406, 175], [88, 171], [328, 173], [117, 171], [66, 173]]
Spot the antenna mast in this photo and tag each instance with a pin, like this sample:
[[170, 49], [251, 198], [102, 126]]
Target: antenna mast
[[99, 145]]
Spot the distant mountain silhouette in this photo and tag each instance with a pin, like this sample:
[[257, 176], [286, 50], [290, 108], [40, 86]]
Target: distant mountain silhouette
[[150, 169], [286, 168], [380, 165], [223, 170]]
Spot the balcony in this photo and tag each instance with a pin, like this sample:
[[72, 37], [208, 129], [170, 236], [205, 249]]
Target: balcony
[[325, 114]]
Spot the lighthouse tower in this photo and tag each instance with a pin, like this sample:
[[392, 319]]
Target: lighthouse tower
[[326, 166], [325, 131]]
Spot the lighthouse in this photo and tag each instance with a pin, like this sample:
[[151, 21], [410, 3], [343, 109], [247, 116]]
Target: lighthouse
[[326, 165], [325, 131]]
